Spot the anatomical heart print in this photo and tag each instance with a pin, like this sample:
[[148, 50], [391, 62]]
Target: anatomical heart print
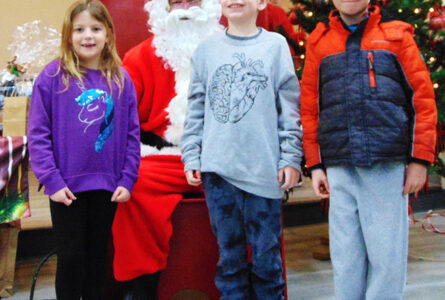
[[234, 87]]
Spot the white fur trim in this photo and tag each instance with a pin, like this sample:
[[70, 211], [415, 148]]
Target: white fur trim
[[177, 108], [149, 150]]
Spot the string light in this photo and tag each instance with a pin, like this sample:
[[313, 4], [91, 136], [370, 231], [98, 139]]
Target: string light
[[436, 85], [302, 56], [432, 59], [400, 10], [301, 43], [431, 9], [310, 14], [417, 10]]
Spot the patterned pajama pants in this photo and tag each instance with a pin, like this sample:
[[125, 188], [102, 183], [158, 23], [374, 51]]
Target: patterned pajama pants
[[239, 219]]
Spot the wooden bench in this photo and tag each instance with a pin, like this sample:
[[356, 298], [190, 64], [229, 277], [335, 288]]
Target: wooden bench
[[41, 217], [303, 194]]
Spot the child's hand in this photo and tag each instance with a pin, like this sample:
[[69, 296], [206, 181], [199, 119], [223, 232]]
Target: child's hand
[[64, 196], [320, 183], [121, 194], [415, 178], [193, 177], [290, 176]]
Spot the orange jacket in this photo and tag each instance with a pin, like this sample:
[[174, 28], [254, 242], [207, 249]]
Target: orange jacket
[[394, 38]]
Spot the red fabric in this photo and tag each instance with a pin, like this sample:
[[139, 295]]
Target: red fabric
[[155, 86], [142, 227], [191, 264], [130, 23], [276, 16]]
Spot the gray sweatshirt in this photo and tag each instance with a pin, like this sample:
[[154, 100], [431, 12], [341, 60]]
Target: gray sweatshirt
[[243, 117]]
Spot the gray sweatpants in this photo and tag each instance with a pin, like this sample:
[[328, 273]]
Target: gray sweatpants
[[368, 226]]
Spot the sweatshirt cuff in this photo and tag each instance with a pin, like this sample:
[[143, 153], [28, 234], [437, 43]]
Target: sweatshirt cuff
[[192, 165], [295, 165], [419, 161], [126, 183], [53, 183], [317, 166]]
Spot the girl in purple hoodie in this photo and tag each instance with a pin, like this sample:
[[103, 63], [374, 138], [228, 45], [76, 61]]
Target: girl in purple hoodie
[[84, 146]]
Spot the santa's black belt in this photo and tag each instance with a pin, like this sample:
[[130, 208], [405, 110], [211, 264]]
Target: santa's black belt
[[154, 140]]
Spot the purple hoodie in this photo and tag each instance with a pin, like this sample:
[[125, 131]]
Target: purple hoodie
[[85, 138]]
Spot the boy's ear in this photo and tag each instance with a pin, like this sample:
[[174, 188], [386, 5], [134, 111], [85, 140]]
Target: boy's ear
[[262, 4]]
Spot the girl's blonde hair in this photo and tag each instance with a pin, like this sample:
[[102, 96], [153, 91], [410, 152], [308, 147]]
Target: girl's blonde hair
[[110, 62]]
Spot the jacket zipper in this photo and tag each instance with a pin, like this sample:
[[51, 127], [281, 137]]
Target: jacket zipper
[[372, 81]]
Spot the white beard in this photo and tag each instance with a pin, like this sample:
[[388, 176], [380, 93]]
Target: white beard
[[175, 41]]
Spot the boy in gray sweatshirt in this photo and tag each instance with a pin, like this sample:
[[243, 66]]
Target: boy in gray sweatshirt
[[242, 141]]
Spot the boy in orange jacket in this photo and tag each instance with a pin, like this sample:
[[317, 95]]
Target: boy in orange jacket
[[369, 121]]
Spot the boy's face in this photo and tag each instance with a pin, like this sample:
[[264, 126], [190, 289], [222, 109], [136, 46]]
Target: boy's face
[[351, 9], [242, 10]]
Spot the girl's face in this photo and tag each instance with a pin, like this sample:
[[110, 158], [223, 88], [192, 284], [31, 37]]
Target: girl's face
[[88, 39]]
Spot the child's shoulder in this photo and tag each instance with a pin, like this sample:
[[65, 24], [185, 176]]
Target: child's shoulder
[[51, 68], [273, 36], [207, 46], [317, 33], [125, 73], [396, 30], [49, 72], [128, 81], [212, 39]]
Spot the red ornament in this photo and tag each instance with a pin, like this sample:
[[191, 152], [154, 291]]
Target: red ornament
[[382, 2], [437, 19], [320, 3], [433, 44], [293, 18]]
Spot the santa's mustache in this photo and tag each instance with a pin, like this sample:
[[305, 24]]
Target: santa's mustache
[[195, 14]]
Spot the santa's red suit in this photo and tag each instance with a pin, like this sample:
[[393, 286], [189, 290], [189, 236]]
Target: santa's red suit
[[142, 227]]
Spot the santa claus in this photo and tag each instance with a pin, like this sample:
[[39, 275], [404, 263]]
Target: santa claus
[[160, 68]]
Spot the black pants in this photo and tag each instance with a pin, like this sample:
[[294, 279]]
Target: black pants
[[144, 287], [82, 231]]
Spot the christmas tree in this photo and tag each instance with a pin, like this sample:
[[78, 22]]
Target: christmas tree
[[428, 19]]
